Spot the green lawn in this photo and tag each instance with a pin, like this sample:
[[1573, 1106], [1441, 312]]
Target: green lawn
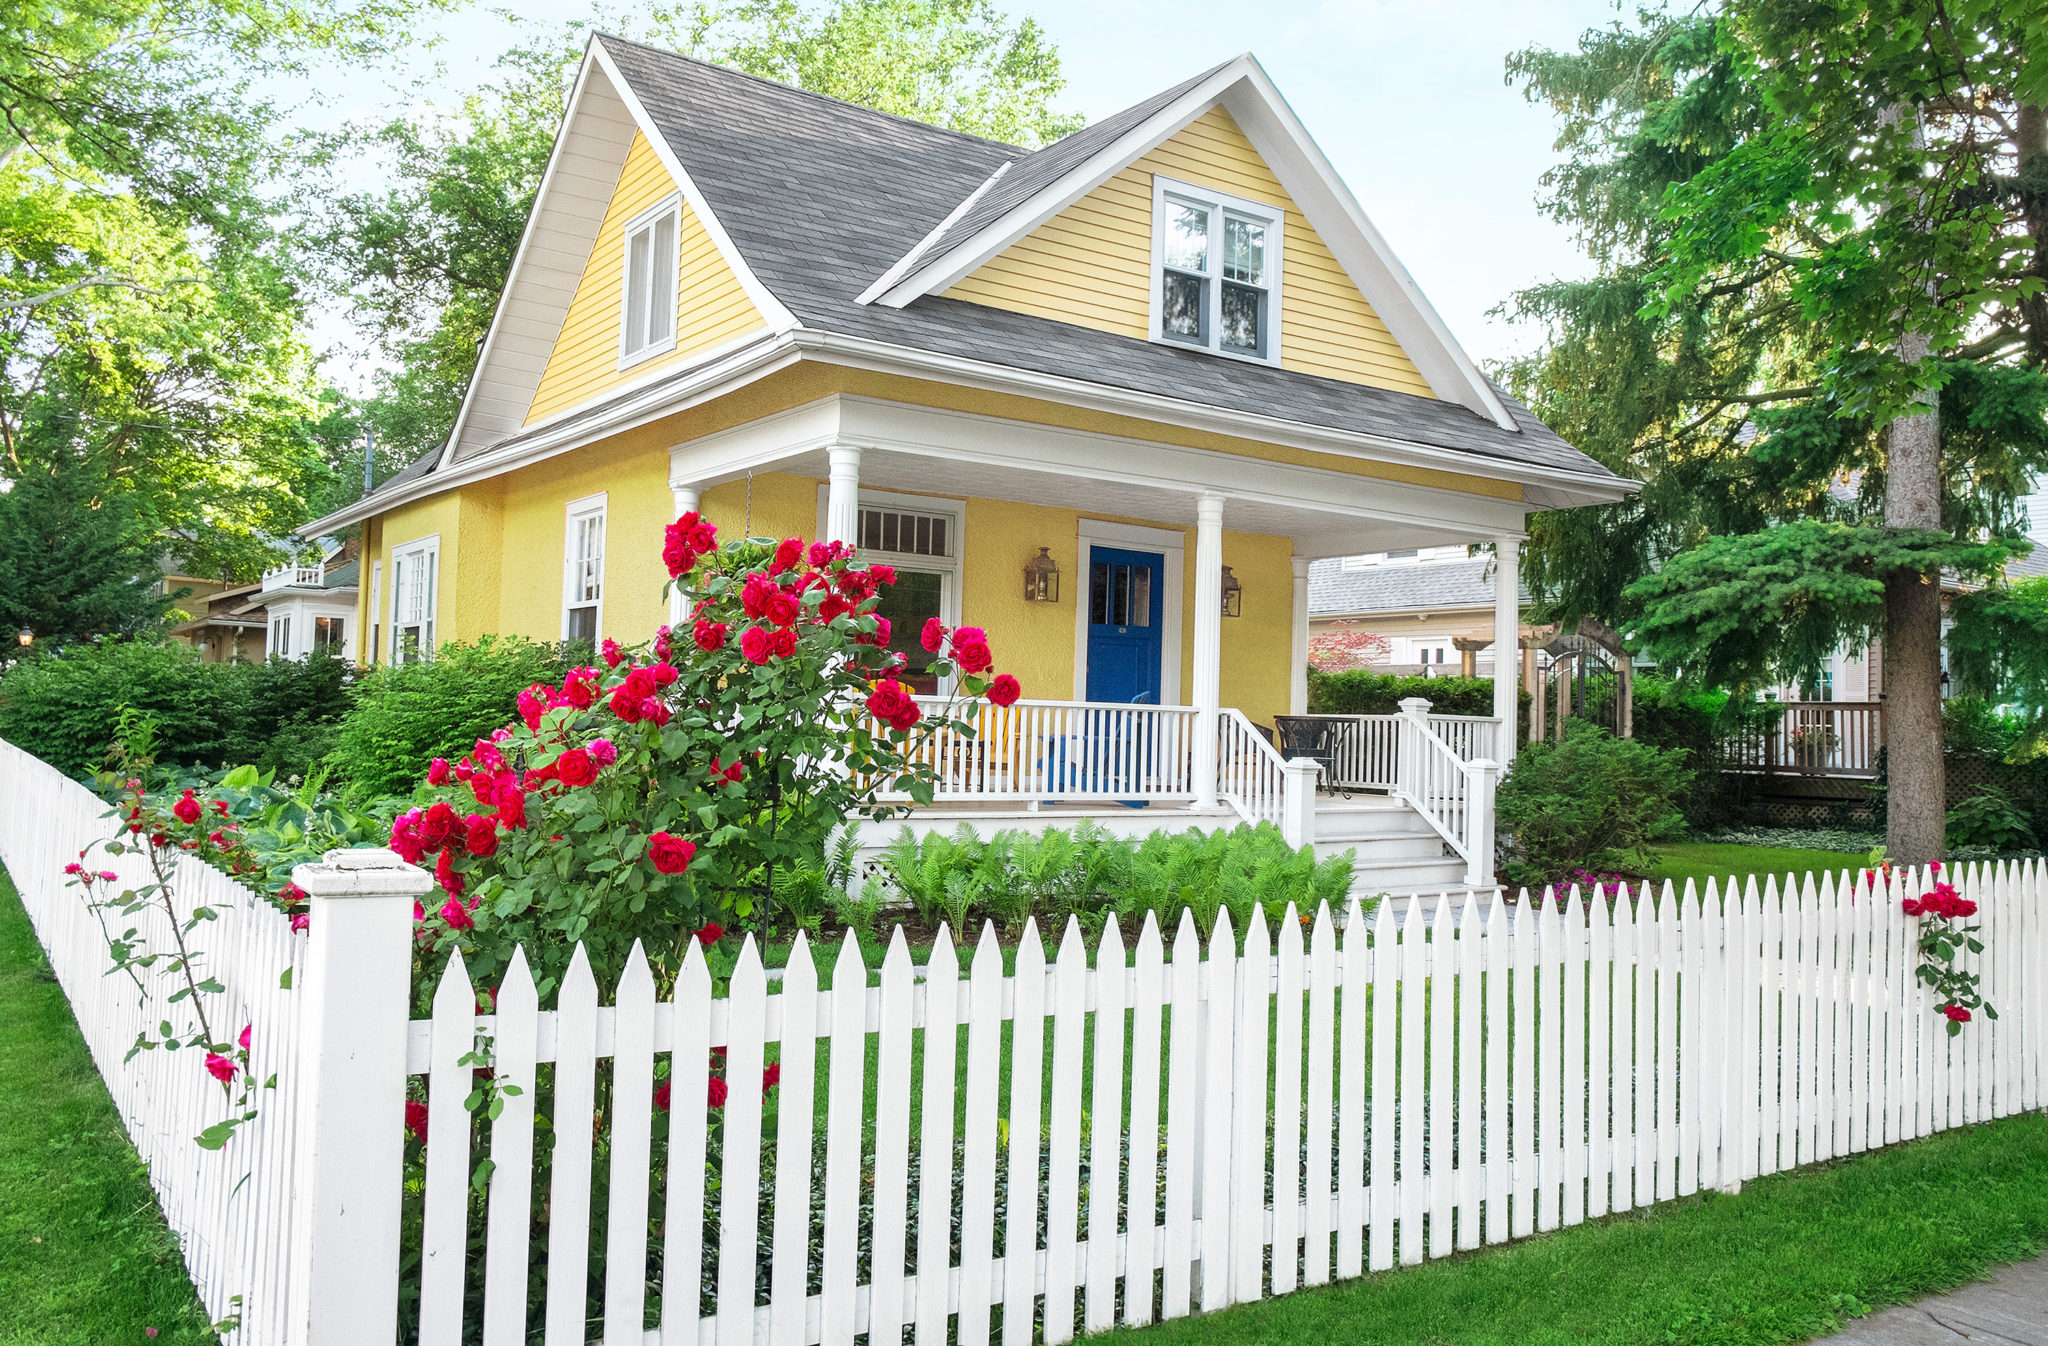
[[1792, 1257], [85, 1259], [1701, 860]]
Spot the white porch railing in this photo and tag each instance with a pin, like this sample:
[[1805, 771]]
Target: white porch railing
[[1365, 749], [1062, 750], [1453, 794], [289, 577], [1250, 776]]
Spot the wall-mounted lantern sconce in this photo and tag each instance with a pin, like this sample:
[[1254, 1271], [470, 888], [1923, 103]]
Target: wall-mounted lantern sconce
[[26, 638], [1042, 578], [1233, 594]]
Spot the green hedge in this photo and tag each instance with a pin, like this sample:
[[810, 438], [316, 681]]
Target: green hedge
[[278, 715], [1363, 692]]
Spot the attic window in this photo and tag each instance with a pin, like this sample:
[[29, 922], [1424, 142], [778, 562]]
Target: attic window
[[647, 324], [1216, 271]]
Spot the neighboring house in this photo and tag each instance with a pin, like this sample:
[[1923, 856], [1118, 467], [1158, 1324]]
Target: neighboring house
[[1169, 351], [294, 611], [1433, 605]]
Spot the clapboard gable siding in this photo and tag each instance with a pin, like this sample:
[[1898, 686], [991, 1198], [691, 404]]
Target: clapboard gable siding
[[1092, 263], [711, 306]]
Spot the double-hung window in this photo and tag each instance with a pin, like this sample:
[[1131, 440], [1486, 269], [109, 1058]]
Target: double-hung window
[[920, 536], [280, 637], [1216, 271], [583, 570], [647, 319], [415, 586]]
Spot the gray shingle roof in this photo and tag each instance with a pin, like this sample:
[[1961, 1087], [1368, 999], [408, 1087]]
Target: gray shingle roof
[[821, 197], [1464, 582]]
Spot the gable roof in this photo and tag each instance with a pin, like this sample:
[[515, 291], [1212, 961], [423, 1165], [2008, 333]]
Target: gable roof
[[1425, 586]]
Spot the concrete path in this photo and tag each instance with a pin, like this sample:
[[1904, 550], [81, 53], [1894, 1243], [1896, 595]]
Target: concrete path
[[2010, 1309]]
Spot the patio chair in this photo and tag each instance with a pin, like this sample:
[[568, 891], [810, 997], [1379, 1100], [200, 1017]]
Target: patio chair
[[1310, 736]]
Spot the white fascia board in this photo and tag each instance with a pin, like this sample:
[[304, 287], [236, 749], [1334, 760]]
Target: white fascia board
[[1330, 207], [1581, 488], [729, 454], [915, 255], [941, 271], [526, 237], [773, 311]]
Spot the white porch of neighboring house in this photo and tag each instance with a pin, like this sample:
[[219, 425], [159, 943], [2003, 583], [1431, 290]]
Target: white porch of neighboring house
[[1412, 793], [310, 609]]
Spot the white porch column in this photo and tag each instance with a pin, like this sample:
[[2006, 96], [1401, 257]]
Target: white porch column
[[1507, 633], [1208, 681], [842, 496], [1297, 686], [687, 498]]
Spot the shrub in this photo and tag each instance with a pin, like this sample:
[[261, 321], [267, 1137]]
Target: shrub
[[1591, 798], [1979, 729], [402, 718], [1363, 692], [1989, 819]]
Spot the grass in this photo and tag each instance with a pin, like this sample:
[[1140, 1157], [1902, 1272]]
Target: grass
[[85, 1257], [1792, 1257], [1701, 860]]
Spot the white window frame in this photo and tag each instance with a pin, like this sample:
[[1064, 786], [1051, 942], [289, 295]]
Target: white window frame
[[313, 633], [280, 636], [420, 551], [367, 640], [948, 568], [1165, 189], [577, 512], [669, 208]]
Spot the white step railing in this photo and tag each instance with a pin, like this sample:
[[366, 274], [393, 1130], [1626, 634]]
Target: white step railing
[[1365, 749], [1052, 751], [1250, 776], [1454, 795]]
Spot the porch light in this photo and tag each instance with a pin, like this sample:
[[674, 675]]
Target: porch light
[[26, 637], [1233, 594], [1042, 578]]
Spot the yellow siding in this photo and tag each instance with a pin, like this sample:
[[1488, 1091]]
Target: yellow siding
[[711, 306], [1092, 263]]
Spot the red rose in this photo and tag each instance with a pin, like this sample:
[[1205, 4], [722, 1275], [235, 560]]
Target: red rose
[[663, 673], [301, 921], [512, 807], [187, 808], [481, 834], [782, 643], [771, 1075], [715, 1093], [579, 689], [438, 825], [711, 635], [611, 653], [574, 768], [833, 606], [970, 649], [654, 711], [881, 574], [416, 1119], [888, 699], [456, 915], [1910, 906], [1004, 691], [906, 718], [437, 771], [755, 593], [704, 538], [784, 608], [754, 645], [640, 682], [220, 1067], [670, 853], [787, 553], [676, 552], [661, 1095], [880, 636], [445, 875], [711, 933]]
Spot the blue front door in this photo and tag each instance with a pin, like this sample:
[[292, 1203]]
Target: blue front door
[[1126, 596]]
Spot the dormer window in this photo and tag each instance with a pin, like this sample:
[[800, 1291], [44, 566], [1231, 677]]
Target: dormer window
[[1216, 271], [647, 323]]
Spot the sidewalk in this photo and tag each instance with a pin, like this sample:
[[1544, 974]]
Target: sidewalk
[[2010, 1309]]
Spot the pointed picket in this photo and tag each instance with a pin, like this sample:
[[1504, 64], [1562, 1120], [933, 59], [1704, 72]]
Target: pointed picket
[[1410, 1181], [1354, 1071], [1148, 995], [1063, 1183], [1522, 1066], [574, 1126], [1184, 1101], [632, 1130], [1468, 959], [1548, 1019], [1249, 1115], [1667, 1043], [1287, 1066], [1319, 1218], [1499, 1159], [1027, 1087], [1854, 995], [844, 1121], [1441, 1087], [886, 1307], [1573, 1153], [1105, 1152], [1214, 1115], [1690, 1077], [739, 1187], [682, 1265], [1713, 1029], [444, 1223], [1599, 1050], [978, 1154], [934, 1204], [790, 1241], [1809, 990]]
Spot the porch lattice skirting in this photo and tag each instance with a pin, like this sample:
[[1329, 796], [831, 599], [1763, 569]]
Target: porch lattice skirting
[[1340, 1094]]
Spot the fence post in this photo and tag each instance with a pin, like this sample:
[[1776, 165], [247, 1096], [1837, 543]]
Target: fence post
[[1408, 745], [1299, 776], [357, 984], [1479, 843]]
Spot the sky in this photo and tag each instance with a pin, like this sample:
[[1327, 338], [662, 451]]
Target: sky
[[1406, 98]]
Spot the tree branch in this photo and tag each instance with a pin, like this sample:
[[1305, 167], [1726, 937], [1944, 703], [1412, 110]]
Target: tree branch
[[104, 278]]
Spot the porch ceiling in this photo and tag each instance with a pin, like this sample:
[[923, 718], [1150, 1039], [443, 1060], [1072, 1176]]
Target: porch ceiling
[[917, 450]]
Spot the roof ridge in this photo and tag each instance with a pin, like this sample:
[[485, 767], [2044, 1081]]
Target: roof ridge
[[786, 87]]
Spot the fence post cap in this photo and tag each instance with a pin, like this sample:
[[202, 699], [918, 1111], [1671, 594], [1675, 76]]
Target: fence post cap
[[1415, 705], [363, 871], [1301, 766], [1484, 765]]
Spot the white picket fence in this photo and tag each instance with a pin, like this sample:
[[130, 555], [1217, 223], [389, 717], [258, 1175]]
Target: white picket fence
[[1322, 1103], [232, 1209]]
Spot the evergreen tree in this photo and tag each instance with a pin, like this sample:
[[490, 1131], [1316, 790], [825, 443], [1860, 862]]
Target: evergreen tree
[[76, 563]]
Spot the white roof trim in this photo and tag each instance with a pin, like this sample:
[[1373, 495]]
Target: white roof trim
[[910, 259], [1253, 101]]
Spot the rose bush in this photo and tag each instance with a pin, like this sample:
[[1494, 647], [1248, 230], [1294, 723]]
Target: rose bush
[[1957, 992], [656, 793]]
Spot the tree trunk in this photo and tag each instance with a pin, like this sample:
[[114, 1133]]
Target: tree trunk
[[1917, 803], [2032, 138]]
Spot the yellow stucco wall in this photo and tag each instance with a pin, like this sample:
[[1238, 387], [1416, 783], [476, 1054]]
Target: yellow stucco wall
[[436, 515], [1092, 263], [371, 598], [711, 307]]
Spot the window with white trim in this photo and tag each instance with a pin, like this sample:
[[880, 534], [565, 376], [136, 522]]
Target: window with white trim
[[374, 647], [1216, 271], [583, 570], [415, 591], [920, 537], [280, 637], [647, 319], [330, 635]]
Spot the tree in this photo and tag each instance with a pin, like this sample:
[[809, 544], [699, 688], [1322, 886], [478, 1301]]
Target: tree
[[1341, 647], [1815, 335], [75, 562], [423, 261]]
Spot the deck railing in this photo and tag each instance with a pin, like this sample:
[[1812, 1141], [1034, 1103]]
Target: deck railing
[[1452, 792], [1364, 751], [1251, 776], [1813, 738], [1062, 750]]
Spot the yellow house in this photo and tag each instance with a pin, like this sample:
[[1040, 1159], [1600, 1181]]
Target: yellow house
[[1168, 355]]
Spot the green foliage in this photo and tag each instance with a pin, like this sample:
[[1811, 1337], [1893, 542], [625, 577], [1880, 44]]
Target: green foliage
[[400, 719], [1591, 799], [1363, 692], [76, 560], [68, 707], [1990, 819], [1976, 728], [1998, 649]]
